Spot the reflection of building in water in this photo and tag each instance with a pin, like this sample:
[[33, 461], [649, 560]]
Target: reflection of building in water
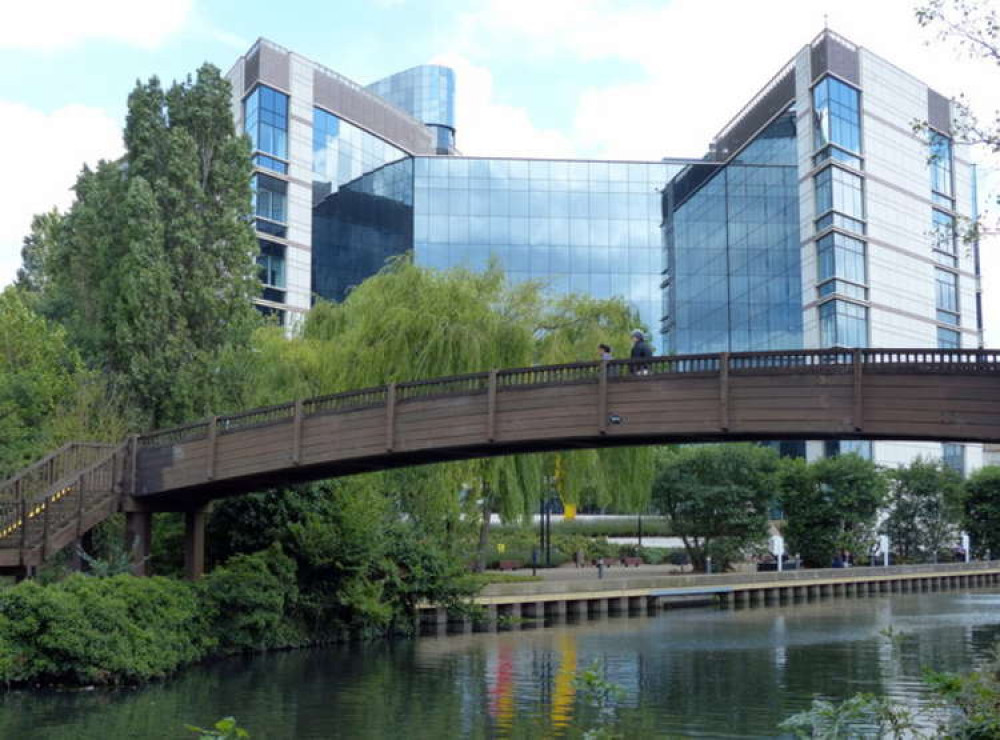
[[563, 688], [500, 685]]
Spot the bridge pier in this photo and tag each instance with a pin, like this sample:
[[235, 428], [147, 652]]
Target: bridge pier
[[194, 542], [138, 536]]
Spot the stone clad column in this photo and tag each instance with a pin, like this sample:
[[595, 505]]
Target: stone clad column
[[194, 542], [138, 536]]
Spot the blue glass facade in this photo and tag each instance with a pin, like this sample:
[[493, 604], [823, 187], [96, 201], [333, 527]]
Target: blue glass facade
[[732, 280], [362, 204], [837, 121], [581, 227], [265, 116], [427, 93]]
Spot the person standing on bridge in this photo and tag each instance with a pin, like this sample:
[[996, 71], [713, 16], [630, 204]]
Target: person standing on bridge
[[640, 350], [604, 352]]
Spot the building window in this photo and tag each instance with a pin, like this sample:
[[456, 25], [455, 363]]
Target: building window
[[946, 284], [953, 456], [275, 314], [837, 120], [940, 161], [943, 238], [860, 447], [271, 262], [841, 256], [843, 324], [265, 115], [265, 162], [842, 192], [948, 338], [270, 196]]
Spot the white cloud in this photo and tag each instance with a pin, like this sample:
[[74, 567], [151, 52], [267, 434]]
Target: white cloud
[[487, 127], [51, 149], [54, 24]]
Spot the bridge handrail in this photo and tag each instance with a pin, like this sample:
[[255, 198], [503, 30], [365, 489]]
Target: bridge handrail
[[50, 469], [837, 359], [12, 511]]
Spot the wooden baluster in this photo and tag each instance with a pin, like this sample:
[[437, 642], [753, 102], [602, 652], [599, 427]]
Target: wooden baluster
[[724, 391], [491, 407], [297, 434], [602, 398], [390, 416], [859, 408], [213, 437], [45, 527], [80, 490]]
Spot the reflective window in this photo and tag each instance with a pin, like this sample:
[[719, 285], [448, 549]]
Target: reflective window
[[265, 116], [940, 162], [263, 161], [841, 191], [271, 264], [572, 225], [732, 250], [843, 324], [947, 295], [836, 112], [860, 447], [953, 456], [943, 238], [270, 197], [342, 152], [426, 92], [948, 339], [842, 256]]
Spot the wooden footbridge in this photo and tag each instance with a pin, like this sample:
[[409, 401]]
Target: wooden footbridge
[[899, 394]]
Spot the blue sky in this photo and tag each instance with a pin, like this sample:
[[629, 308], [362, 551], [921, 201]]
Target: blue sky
[[634, 79]]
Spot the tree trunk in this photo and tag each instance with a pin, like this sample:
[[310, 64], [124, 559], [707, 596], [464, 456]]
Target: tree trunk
[[484, 532]]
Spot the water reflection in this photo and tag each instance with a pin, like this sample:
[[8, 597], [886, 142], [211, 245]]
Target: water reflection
[[695, 672]]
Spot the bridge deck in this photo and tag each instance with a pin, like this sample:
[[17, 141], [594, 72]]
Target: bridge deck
[[870, 394]]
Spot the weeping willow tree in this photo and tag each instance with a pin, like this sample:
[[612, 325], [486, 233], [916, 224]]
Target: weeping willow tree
[[410, 323], [572, 328]]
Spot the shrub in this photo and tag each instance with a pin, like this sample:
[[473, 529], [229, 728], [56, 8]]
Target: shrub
[[99, 630], [249, 598]]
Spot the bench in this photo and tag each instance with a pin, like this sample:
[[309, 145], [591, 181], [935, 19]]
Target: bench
[[509, 564], [630, 562]]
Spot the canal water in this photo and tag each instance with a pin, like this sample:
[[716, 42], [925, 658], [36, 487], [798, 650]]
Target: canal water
[[695, 672]]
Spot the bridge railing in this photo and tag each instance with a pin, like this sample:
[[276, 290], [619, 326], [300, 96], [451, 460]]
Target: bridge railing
[[47, 472], [33, 516], [831, 360]]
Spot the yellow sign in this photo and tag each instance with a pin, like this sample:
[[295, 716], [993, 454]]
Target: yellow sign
[[569, 511]]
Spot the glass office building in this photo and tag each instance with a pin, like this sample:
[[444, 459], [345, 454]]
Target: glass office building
[[817, 217], [427, 93], [732, 277]]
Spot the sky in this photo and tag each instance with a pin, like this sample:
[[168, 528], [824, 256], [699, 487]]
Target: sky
[[626, 79]]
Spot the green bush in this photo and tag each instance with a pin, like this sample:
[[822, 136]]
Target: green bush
[[249, 599], [100, 630]]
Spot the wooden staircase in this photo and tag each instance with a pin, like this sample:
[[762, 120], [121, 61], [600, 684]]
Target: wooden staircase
[[54, 502]]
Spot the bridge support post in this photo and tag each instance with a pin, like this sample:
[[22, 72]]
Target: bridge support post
[[194, 542], [138, 535]]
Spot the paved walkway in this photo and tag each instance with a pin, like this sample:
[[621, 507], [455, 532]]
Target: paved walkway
[[615, 572]]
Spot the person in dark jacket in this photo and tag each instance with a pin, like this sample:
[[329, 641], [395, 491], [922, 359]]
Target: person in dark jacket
[[640, 350]]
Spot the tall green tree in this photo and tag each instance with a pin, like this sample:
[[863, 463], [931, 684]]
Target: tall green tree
[[924, 509], [716, 498], [831, 505], [47, 396], [152, 269], [982, 510]]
